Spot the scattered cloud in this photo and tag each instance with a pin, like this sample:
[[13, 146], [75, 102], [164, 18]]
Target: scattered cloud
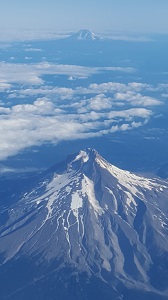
[[26, 125], [33, 50], [98, 103], [164, 95], [33, 113], [118, 87], [4, 86], [19, 73], [136, 99], [60, 93], [32, 73], [28, 58], [119, 69]]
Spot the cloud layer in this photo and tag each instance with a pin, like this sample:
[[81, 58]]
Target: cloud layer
[[33, 113]]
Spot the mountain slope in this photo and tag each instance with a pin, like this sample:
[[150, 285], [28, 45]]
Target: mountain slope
[[87, 222]]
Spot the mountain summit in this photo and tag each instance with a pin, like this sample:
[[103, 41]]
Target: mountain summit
[[87, 229], [86, 35]]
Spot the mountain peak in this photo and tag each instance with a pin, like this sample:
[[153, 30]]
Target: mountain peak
[[89, 217], [86, 35], [86, 154]]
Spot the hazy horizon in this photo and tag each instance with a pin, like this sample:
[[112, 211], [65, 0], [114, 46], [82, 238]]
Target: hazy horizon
[[123, 16]]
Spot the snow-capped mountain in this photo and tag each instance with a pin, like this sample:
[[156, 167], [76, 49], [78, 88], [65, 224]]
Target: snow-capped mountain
[[85, 223], [86, 35]]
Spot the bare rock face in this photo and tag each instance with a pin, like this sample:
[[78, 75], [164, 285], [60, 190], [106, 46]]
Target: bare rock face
[[87, 229]]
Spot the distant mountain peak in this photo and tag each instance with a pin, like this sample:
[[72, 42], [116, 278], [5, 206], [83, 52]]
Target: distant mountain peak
[[86, 35]]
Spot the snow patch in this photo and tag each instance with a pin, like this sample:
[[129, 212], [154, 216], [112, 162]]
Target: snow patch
[[115, 205], [82, 155], [87, 35], [130, 199], [88, 189], [68, 189], [133, 183], [76, 204]]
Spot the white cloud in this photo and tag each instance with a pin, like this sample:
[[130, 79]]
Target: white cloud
[[52, 92], [34, 129], [107, 95], [25, 125], [99, 102], [19, 73], [164, 95], [163, 86], [33, 50], [131, 113], [108, 87], [32, 73], [138, 86], [40, 107], [4, 86], [57, 113], [118, 69], [28, 58], [121, 93], [136, 99]]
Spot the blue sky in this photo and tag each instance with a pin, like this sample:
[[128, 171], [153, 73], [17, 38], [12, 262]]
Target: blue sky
[[143, 16]]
